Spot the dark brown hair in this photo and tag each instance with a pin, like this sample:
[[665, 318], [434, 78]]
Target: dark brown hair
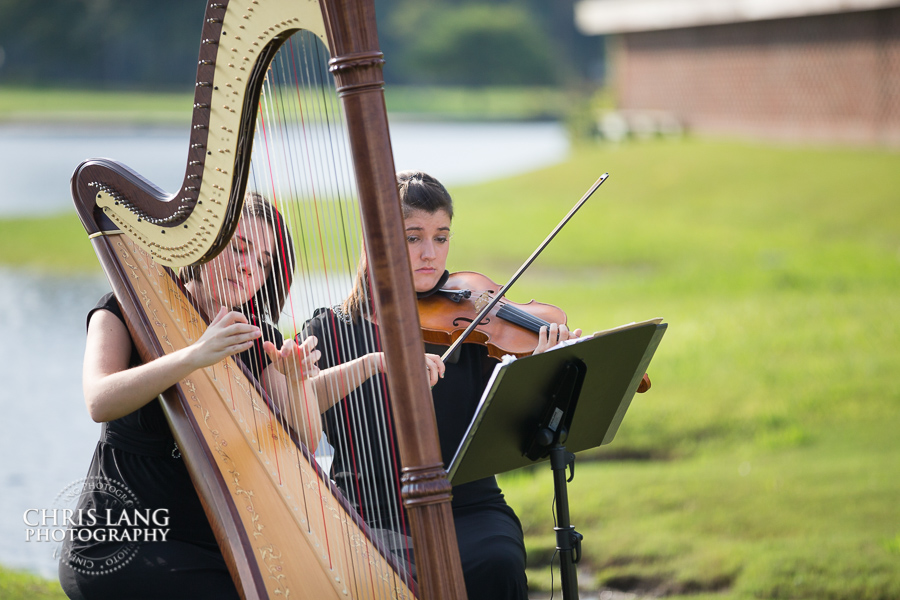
[[270, 297], [418, 191], [421, 191]]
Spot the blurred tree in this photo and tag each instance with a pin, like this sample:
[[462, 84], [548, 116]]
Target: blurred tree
[[144, 43], [140, 43], [471, 43]]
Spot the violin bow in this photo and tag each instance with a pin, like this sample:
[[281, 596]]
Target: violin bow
[[522, 269]]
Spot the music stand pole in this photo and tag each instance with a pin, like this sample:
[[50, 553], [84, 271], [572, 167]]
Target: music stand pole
[[568, 541], [552, 432]]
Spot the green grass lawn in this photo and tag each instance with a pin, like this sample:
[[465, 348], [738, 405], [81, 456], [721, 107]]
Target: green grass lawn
[[766, 458], [67, 105], [148, 108], [23, 586], [765, 461]]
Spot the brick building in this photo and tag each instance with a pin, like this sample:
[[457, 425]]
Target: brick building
[[799, 70]]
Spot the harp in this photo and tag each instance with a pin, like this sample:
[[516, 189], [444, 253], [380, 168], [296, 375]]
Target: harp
[[284, 528]]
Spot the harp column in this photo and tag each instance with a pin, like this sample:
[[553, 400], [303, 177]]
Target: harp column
[[357, 67]]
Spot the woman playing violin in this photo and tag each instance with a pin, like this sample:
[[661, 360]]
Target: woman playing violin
[[489, 533]]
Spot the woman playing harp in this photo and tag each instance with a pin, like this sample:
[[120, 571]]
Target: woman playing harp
[[137, 448]]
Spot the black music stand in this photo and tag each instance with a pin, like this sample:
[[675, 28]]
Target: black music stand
[[528, 414]]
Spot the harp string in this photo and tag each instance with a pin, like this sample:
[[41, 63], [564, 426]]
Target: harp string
[[300, 124], [270, 130], [382, 446]]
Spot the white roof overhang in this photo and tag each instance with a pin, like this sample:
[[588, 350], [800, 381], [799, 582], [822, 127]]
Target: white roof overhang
[[595, 17]]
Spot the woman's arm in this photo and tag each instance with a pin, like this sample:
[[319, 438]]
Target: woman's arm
[[113, 390], [297, 364], [337, 382], [297, 400]]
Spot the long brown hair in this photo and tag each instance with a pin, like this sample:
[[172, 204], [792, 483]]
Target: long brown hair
[[418, 191], [270, 297]]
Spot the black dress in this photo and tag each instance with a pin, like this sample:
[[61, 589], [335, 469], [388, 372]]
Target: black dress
[[137, 468], [491, 542]]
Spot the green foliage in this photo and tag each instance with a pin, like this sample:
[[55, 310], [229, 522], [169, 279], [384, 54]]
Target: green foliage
[[91, 106], [451, 103], [474, 104], [119, 44], [145, 45], [474, 44]]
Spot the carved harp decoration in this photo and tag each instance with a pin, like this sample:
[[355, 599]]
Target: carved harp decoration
[[284, 527]]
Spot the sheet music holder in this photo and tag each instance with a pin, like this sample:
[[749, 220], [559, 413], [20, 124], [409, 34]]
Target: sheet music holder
[[516, 399]]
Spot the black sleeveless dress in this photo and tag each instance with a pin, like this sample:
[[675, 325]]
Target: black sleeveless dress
[[137, 467], [491, 542]]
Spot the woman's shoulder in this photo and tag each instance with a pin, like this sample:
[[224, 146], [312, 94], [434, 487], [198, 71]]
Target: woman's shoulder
[[327, 319], [107, 302]]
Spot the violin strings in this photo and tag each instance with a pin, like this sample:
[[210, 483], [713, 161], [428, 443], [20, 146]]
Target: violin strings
[[518, 316]]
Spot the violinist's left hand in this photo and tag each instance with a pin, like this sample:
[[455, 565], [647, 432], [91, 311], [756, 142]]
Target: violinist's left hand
[[556, 333]]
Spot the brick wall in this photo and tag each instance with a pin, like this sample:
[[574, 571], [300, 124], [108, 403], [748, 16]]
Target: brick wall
[[831, 78]]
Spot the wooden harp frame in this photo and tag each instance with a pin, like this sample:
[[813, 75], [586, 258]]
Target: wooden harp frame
[[267, 554]]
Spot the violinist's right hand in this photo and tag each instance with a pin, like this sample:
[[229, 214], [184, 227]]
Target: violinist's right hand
[[435, 367]]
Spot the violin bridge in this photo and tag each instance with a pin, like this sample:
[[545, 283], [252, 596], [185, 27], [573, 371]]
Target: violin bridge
[[482, 301]]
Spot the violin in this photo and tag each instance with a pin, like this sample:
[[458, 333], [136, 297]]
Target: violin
[[508, 328]]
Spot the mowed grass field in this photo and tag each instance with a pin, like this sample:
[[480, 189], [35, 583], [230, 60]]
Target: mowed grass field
[[765, 460]]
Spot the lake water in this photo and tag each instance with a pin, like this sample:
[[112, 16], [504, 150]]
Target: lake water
[[37, 162], [48, 437]]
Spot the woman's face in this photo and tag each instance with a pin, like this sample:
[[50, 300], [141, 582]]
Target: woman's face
[[238, 272], [428, 242]]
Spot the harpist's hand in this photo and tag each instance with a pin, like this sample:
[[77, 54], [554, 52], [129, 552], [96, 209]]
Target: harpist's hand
[[228, 333], [551, 336], [295, 361]]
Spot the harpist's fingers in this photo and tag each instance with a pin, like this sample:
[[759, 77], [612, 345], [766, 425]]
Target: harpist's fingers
[[306, 348], [271, 350]]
